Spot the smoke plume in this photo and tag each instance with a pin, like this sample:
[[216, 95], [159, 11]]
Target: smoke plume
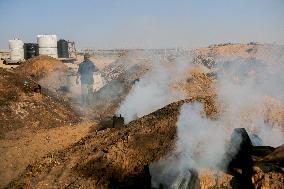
[[154, 90], [250, 94]]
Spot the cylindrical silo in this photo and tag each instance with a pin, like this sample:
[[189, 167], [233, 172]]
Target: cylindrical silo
[[62, 48], [16, 48], [31, 50], [47, 45]]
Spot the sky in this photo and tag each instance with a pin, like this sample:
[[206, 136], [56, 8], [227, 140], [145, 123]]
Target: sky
[[107, 24]]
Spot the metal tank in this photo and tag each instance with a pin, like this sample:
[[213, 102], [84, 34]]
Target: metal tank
[[31, 50], [47, 45], [62, 48], [16, 48]]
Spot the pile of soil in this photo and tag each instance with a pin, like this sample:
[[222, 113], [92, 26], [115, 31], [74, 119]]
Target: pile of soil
[[33, 116], [252, 51], [24, 103], [199, 85], [49, 72], [41, 66], [120, 158], [111, 158]]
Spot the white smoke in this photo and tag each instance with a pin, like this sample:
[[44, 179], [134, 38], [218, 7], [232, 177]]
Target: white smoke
[[200, 140], [245, 89], [200, 144], [154, 90]]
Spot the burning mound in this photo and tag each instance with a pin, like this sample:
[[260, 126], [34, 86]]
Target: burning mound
[[23, 105], [108, 158], [49, 72], [41, 66], [120, 158]]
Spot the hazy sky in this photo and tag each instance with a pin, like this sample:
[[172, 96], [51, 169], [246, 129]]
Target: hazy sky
[[143, 23]]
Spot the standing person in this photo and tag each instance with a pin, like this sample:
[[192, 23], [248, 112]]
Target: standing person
[[85, 72]]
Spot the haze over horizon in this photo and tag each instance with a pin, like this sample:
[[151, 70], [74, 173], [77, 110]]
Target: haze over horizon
[[144, 24]]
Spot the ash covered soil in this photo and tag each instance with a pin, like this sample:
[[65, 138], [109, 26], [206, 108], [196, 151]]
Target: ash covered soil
[[52, 149]]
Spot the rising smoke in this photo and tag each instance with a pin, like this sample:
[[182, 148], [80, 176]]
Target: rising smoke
[[154, 90], [200, 144], [250, 93]]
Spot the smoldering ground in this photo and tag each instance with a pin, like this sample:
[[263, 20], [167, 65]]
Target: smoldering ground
[[248, 93], [154, 90]]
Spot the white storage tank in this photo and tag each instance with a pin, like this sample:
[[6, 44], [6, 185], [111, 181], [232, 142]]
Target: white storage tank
[[48, 51], [47, 45], [16, 48], [47, 41]]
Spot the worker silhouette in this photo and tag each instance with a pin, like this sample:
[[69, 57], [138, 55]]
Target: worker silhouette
[[85, 72]]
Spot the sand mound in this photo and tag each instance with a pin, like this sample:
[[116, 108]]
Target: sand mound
[[21, 105], [253, 51], [120, 158], [111, 157], [49, 72], [41, 66]]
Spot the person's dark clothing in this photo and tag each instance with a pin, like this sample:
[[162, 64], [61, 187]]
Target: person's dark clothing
[[86, 71]]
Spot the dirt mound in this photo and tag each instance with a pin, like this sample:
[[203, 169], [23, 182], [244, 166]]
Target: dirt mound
[[19, 152], [260, 179], [23, 103], [252, 51], [49, 72], [41, 66], [199, 85], [120, 158], [108, 158]]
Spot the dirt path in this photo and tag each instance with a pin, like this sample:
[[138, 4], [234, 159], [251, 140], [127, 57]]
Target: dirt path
[[19, 152]]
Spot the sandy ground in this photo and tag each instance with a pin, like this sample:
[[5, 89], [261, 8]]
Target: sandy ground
[[20, 151], [23, 146], [106, 154], [5, 55]]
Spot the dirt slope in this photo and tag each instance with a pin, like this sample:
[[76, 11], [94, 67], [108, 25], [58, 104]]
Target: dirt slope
[[120, 158], [33, 121], [21, 105], [41, 66], [18, 153], [107, 158]]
